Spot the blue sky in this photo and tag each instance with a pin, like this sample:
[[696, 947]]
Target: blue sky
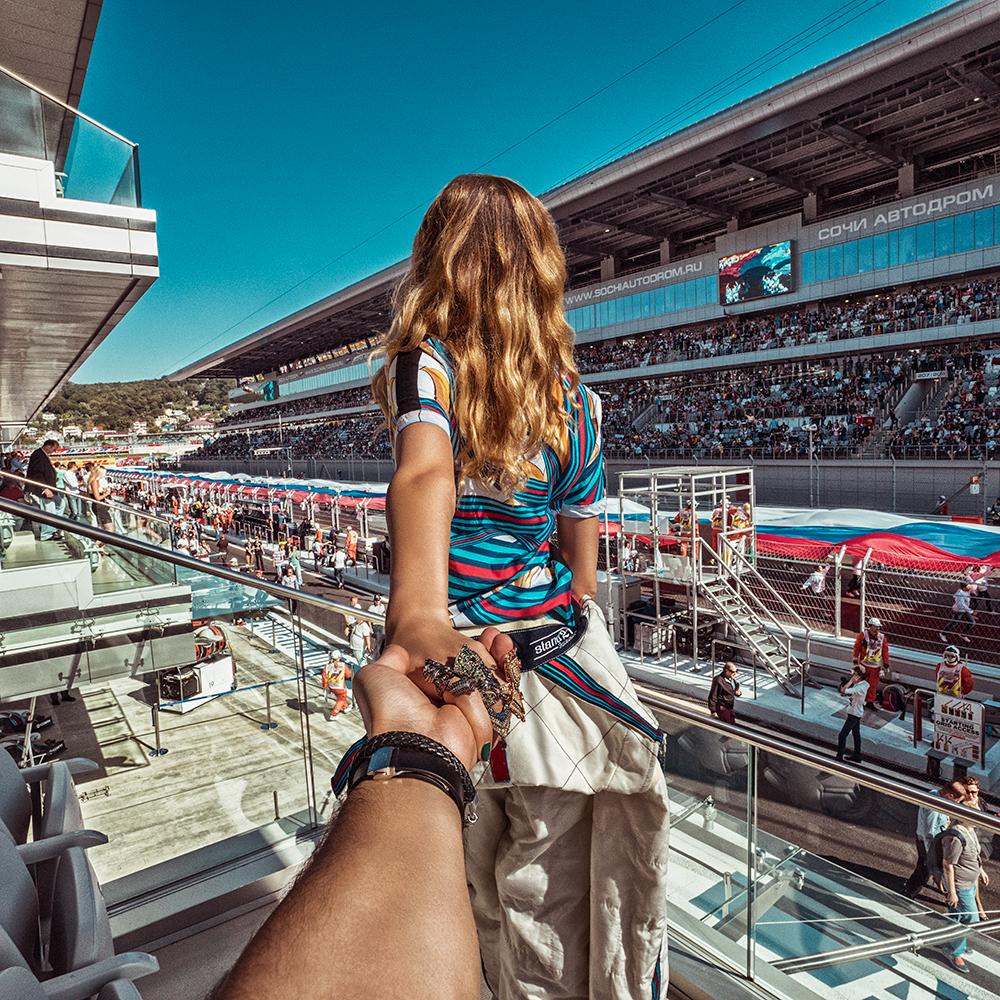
[[274, 137]]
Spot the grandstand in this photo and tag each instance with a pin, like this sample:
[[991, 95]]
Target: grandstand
[[815, 222]]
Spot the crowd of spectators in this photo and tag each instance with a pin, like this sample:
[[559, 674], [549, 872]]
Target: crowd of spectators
[[340, 399], [965, 421], [888, 312], [749, 414], [363, 436]]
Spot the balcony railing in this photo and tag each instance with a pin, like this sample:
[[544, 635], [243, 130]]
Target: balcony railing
[[787, 868], [91, 162]]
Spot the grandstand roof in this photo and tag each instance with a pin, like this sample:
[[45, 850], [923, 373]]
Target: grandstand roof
[[927, 94]]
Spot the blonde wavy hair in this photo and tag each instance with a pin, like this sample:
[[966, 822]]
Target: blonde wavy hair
[[486, 278]]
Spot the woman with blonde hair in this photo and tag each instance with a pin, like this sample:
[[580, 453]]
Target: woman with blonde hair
[[497, 448]]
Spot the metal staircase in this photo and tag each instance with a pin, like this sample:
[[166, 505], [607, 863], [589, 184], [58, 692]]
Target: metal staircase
[[727, 581]]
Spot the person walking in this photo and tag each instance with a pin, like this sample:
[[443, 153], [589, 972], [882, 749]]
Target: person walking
[[930, 824], [42, 488], [961, 862], [961, 612], [378, 606], [855, 690], [725, 690], [334, 679], [497, 447], [339, 565], [871, 653], [71, 482]]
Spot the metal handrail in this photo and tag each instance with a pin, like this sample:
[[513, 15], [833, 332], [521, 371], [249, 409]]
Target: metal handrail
[[769, 586], [786, 748], [73, 111], [177, 559], [6, 474], [760, 604], [650, 696]]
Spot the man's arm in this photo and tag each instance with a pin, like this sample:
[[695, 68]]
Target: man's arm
[[949, 877]]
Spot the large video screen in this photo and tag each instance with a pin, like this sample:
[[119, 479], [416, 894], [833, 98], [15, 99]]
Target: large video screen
[[270, 391], [756, 274]]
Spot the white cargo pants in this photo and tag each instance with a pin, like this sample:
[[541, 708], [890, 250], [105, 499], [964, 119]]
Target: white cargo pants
[[567, 862]]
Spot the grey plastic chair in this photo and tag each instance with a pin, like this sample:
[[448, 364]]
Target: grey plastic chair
[[111, 980], [60, 810], [19, 914], [79, 932]]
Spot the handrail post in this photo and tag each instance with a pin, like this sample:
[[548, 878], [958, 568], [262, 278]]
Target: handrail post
[[838, 588]]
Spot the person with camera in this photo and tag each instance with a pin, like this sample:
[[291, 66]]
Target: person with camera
[[855, 690]]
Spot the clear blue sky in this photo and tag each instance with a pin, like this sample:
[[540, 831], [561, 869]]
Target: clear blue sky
[[275, 136]]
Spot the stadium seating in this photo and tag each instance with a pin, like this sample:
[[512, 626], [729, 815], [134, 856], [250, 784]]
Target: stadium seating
[[110, 980], [906, 309], [60, 807], [340, 399]]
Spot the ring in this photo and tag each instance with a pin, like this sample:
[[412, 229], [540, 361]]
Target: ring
[[469, 673]]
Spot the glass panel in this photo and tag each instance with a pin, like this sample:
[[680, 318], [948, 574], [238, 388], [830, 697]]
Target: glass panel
[[808, 268], [880, 250], [659, 302], [864, 255], [836, 257], [983, 224], [908, 245], [851, 258], [689, 295], [944, 237], [90, 163], [822, 264], [925, 241], [963, 232]]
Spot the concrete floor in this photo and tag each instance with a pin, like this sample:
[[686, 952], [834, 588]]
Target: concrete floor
[[222, 774]]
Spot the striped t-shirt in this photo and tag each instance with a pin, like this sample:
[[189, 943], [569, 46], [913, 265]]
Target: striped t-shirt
[[500, 567]]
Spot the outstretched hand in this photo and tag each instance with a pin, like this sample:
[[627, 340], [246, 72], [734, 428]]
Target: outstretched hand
[[390, 699]]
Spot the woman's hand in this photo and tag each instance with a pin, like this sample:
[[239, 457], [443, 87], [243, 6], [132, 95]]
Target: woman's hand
[[390, 701], [433, 639]]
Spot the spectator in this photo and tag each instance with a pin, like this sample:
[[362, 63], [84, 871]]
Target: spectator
[[378, 606], [930, 824], [961, 862], [724, 692], [71, 483], [816, 581], [43, 475], [289, 579], [359, 637], [339, 565], [961, 612], [941, 507], [855, 690], [334, 679]]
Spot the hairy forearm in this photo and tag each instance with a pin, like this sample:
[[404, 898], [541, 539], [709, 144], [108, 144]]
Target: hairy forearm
[[419, 508], [382, 891], [579, 539]]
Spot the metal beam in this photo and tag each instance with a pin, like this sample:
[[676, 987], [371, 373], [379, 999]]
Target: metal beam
[[977, 83], [877, 149], [587, 249], [634, 228], [782, 180], [672, 201]]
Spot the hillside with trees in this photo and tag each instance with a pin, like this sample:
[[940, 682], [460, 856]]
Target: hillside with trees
[[113, 406]]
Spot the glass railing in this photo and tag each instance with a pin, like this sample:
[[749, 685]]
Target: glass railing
[[795, 872], [91, 162], [788, 870], [208, 734], [114, 570]]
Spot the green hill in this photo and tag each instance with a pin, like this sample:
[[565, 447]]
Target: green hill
[[113, 406]]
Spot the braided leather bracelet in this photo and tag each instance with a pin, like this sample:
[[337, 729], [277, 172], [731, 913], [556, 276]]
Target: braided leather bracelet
[[406, 754]]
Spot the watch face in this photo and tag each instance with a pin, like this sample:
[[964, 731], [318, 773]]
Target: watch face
[[381, 760]]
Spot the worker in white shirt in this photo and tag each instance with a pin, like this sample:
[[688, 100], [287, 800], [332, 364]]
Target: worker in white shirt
[[339, 565], [961, 610], [816, 581], [855, 690]]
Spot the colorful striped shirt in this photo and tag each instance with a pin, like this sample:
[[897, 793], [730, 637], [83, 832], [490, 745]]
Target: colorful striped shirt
[[500, 566]]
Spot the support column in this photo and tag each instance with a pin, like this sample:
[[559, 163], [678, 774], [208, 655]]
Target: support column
[[810, 207], [665, 251], [608, 268], [906, 180], [733, 225]]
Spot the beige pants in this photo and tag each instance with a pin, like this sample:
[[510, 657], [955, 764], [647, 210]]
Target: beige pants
[[567, 862]]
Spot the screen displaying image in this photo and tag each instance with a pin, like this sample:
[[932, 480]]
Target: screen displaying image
[[270, 391], [756, 274]]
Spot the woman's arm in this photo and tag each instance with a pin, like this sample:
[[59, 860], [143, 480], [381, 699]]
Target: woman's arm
[[579, 539], [419, 507]]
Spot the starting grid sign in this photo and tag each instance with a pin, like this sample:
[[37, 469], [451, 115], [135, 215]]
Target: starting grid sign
[[959, 727]]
